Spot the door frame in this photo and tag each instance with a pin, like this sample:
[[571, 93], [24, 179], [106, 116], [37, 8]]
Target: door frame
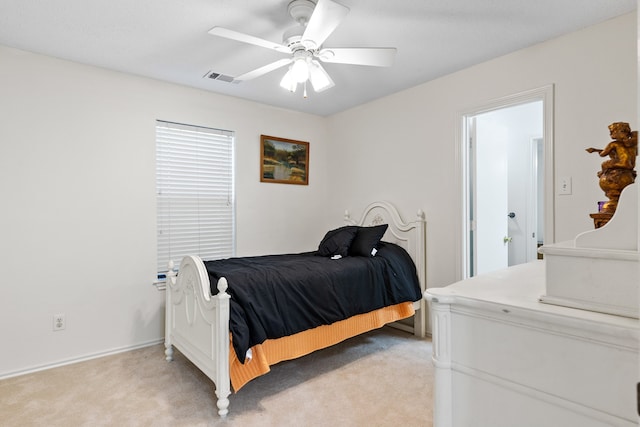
[[544, 94], [532, 198]]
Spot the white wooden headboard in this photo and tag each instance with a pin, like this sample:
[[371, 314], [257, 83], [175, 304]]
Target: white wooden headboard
[[409, 235]]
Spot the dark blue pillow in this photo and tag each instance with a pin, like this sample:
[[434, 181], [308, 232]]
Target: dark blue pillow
[[338, 241], [367, 239]]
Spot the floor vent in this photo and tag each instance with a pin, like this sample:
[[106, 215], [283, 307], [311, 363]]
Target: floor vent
[[221, 77]]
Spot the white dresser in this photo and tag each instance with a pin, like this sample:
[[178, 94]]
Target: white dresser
[[504, 359]]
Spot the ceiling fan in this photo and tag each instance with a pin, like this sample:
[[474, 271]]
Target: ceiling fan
[[303, 44]]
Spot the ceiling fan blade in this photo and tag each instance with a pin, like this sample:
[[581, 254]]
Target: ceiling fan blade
[[319, 78], [246, 38], [264, 69], [326, 16], [373, 56]]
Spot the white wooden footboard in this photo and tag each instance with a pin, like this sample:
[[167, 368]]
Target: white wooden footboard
[[197, 323]]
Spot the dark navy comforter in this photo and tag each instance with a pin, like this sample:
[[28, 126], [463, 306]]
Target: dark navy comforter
[[279, 295]]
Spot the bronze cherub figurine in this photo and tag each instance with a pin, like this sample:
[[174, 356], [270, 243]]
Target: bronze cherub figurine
[[618, 171]]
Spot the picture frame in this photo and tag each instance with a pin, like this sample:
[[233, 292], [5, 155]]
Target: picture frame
[[284, 161]]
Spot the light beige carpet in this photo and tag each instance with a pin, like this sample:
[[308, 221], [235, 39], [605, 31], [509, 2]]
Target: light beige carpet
[[382, 378]]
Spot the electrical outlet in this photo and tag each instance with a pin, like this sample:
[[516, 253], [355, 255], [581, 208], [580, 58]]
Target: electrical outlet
[[59, 322]]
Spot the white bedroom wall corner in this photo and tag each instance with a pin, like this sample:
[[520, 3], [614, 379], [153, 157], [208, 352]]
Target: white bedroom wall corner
[[266, 209], [80, 192], [422, 121]]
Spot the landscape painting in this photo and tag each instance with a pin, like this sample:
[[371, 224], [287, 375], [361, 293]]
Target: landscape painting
[[284, 160]]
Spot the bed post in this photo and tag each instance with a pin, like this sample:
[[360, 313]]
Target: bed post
[[420, 319], [223, 382], [168, 319]]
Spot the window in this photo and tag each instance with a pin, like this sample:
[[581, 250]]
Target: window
[[195, 193]]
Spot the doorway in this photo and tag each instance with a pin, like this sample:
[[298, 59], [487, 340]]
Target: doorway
[[507, 181]]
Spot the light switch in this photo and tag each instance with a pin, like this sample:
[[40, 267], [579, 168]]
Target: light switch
[[564, 185]]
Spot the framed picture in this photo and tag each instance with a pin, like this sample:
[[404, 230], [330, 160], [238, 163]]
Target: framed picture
[[283, 160]]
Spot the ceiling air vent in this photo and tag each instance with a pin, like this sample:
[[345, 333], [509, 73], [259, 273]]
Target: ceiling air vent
[[221, 77]]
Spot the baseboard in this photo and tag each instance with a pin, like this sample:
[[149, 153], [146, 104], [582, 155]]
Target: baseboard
[[80, 359]]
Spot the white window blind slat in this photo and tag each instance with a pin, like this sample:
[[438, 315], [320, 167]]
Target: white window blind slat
[[194, 192]]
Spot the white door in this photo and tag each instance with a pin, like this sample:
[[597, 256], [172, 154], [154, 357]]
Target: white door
[[504, 165], [490, 200], [507, 192]]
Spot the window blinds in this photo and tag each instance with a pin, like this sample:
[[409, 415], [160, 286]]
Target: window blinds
[[195, 193]]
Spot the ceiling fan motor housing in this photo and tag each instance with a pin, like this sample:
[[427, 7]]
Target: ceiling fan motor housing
[[301, 10], [292, 37]]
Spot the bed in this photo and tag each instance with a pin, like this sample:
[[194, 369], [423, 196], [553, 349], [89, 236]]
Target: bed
[[217, 333]]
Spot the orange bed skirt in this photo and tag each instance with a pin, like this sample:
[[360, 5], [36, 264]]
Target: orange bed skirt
[[293, 346]]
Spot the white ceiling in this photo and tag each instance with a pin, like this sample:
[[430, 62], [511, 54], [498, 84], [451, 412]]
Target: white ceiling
[[168, 40]]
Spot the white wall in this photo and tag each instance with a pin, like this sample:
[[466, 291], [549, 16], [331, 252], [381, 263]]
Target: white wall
[[77, 186], [403, 147], [77, 176]]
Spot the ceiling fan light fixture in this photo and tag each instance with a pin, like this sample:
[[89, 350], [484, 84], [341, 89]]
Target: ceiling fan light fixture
[[300, 70], [288, 82], [320, 80]]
